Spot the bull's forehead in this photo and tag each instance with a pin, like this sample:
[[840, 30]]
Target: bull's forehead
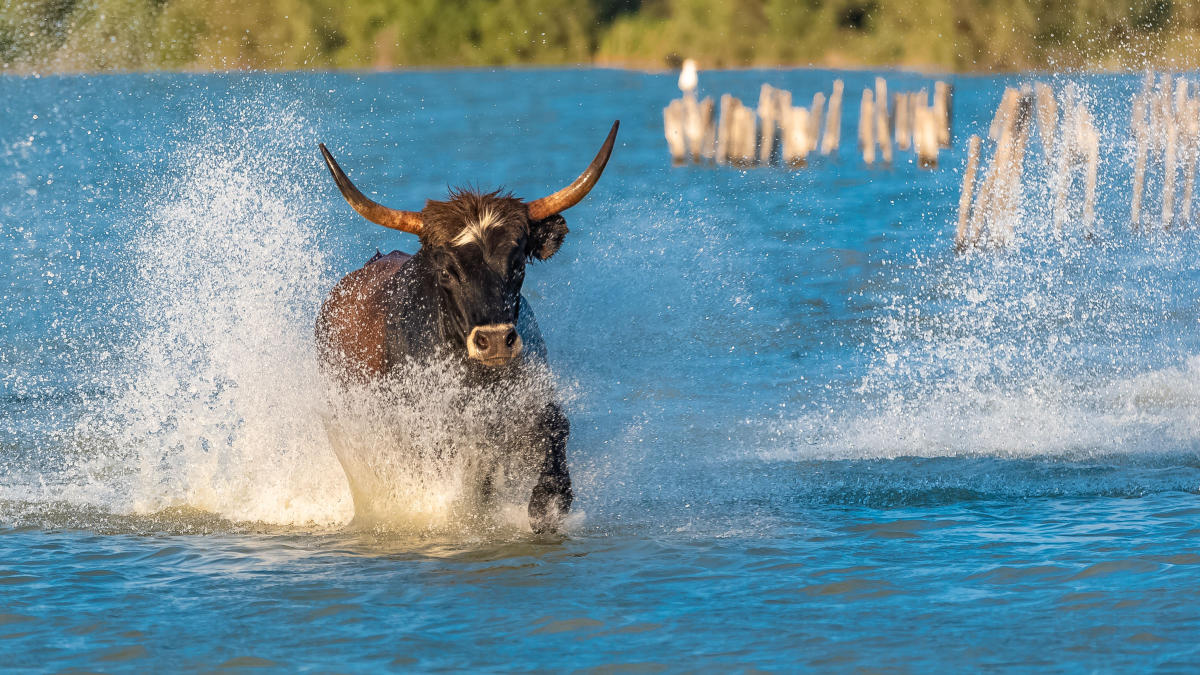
[[477, 229], [487, 221]]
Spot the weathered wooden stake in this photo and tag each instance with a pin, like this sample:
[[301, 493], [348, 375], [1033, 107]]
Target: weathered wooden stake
[[767, 114], [1047, 119], [814, 119], [964, 200], [925, 136], [866, 127], [745, 135], [724, 128], [903, 122], [1191, 132], [693, 131], [1169, 157], [797, 143], [833, 121], [1092, 145], [942, 94], [882, 123], [708, 139], [1008, 106], [1141, 106], [673, 128]]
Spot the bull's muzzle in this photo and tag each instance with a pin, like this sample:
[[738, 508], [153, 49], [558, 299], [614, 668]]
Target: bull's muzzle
[[494, 344]]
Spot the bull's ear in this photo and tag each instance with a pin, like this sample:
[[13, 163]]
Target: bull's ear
[[546, 235]]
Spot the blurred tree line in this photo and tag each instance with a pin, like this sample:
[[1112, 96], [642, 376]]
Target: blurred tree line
[[92, 35]]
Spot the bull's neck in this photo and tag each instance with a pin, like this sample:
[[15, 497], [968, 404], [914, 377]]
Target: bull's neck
[[425, 278]]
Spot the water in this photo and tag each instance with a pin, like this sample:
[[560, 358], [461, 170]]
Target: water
[[806, 434]]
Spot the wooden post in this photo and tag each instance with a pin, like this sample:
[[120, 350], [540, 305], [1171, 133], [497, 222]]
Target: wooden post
[[1018, 138], [1191, 132], [882, 123], [1092, 146], [814, 119], [735, 133], [709, 136], [833, 121], [766, 112], [1062, 158], [866, 126], [914, 101], [925, 137], [942, 94], [797, 143], [903, 124], [1169, 161], [745, 137], [783, 113], [1008, 105], [1047, 119], [673, 127], [968, 186], [999, 199], [692, 131], [724, 129], [1140, 132]]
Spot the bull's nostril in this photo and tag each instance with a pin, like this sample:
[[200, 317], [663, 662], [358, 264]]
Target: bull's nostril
[[481, 341], [510, 338]]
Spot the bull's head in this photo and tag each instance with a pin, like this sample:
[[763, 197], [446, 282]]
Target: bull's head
[[476, 247]]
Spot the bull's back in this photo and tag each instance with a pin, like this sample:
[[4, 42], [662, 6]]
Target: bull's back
[[352, 324]]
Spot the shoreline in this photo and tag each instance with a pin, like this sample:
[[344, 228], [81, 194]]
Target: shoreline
[[612, 66]]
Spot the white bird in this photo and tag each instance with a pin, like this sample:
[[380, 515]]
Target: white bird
[[688, 78]]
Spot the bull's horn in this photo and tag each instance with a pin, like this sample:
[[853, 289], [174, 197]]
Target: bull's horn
[[405, 221], [575, 192]]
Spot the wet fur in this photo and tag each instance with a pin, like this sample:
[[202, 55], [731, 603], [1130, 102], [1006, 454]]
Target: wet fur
[[468, 272]]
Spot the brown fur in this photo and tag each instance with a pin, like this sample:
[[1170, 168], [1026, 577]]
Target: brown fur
[[352, 324], [444, 221]]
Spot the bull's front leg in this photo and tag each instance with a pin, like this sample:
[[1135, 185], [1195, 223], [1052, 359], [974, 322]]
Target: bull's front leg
[[552, 496]]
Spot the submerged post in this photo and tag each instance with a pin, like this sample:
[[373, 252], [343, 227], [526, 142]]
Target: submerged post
[[724, 128], [925, 136], [815, 114], [1191, 143], [1047, 119], [964, 199], [882, 123], [1140, 132], [1092, 148], [942, 94], [903, 124], [797, 143], [766, 112], [673, 128], [833, 121], [866, 127], [708, 135], [1169, 155]]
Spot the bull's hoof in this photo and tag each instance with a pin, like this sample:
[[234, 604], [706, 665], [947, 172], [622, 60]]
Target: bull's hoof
[[548, 505]]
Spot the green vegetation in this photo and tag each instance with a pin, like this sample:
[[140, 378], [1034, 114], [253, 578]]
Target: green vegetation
[[97, 35]]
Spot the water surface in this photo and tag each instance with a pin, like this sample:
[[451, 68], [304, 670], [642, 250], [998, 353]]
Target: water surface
[[806, 433]]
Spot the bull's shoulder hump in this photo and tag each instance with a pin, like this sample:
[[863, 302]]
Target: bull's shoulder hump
[[372, 277], [352, 323]]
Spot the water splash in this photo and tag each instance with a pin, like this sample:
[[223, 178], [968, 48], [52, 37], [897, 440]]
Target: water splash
[[218, 401], [419, 448]]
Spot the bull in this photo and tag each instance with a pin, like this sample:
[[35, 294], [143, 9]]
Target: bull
[[459, 297]]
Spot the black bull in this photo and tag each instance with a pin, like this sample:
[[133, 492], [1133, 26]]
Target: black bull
[[460, 297]]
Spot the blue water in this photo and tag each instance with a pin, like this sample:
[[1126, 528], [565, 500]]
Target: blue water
[[806, 433]]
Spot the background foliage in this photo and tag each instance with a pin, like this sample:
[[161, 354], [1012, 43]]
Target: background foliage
[[55, 35]]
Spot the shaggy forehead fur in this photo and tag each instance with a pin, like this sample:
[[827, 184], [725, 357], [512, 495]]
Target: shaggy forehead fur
[[472, 217]]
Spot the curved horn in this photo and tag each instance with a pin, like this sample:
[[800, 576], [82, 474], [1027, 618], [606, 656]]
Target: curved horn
[[572, 194], [405, 221]]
